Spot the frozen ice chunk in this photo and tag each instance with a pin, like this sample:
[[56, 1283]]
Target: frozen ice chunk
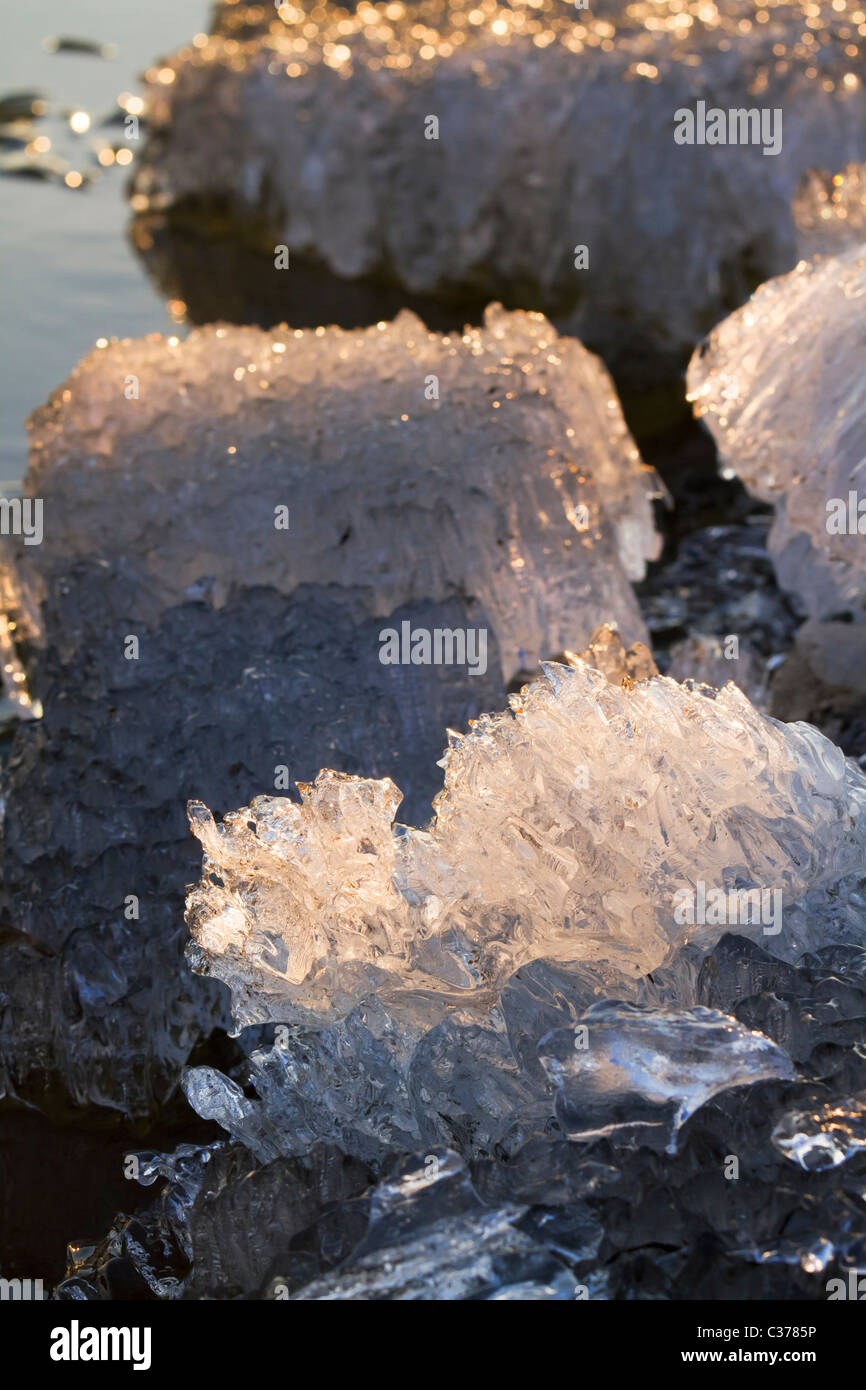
[[825, 1136], [534, 133], [593, 822], [374, 1083], [782, 386], [323, 1221], [319, 1228], [625, 1068], [219, 1222], [402, 464], [608, 653]]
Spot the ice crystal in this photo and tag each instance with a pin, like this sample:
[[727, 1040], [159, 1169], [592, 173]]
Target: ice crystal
[[574, 827]]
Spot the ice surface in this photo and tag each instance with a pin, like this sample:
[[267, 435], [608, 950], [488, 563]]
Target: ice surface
[[431, 1237], [782, 386], [621, 1068], [224, 1228], [218, 1223], [259, 647], [517, 485], [556, 129], [824, 1137], [99, 1001], [558, 834], [602, 1215]]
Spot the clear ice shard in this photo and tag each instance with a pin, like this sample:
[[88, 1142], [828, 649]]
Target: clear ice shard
[[431, 1237], [624, 1068], [405, 465], [781, 385], [593, 822], [555, 129], [825, 1136]]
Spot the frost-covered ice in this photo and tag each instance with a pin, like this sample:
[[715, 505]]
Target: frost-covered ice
[[782, 386], [566, 829], [394, 961], [556, 130], [410, 467]]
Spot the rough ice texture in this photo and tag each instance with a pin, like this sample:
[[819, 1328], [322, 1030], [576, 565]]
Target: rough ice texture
[[519, 486], [564, 830], [782, 386], [431, 1237], [100, 1005], [319, 1220], [259, 646], [556, 129], [825, 1135]]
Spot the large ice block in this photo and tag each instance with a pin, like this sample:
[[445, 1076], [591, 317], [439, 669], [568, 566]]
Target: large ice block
[[493, 466], [781, 384], [474, 150], [232, 526]]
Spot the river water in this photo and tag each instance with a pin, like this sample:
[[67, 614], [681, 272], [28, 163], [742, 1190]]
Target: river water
[[69, 274]]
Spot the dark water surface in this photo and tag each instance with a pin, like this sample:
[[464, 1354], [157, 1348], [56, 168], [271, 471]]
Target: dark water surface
[[69, 274]]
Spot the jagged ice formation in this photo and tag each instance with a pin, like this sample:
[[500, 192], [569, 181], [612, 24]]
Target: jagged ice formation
[[510, 502], [564, 829], [394, 961]]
